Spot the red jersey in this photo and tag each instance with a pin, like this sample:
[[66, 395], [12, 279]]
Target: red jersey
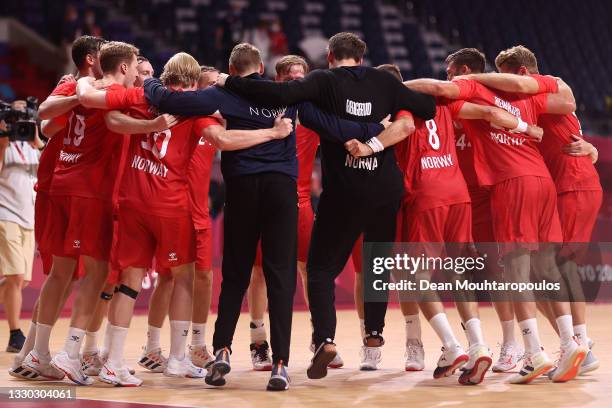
[[498, 154], [465, 155], [88, 162], [155, 175], [198, 176], [307, 143], [428, 160], [49, 155]]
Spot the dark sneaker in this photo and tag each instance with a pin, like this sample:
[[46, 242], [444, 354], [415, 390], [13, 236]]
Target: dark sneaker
[[15, 341], [219, 369], [279, 380], [260, 356], [321, 359]]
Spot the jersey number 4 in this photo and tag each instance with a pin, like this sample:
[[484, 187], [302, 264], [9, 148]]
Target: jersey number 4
[[76, 130], [157, 143]]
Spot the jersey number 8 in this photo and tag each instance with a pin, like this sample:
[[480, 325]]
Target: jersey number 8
[[434, 139]]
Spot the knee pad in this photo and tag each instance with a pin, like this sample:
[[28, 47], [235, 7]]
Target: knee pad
[[126, 290], [106, 296]]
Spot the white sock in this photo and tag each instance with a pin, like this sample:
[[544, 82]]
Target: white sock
[[443, 329], [362, 328], [473, 331], [413, 327], [179, 330], [198, 333], [72, 346], [580, 331], [117, 342], [258, 332], [529, 329], [566, 328], [153, 338], [91, 342], [107, 340], [28, 345], [41, 342], [508, 331]]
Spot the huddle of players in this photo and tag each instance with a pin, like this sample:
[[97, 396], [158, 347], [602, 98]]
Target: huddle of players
[[79, 196]]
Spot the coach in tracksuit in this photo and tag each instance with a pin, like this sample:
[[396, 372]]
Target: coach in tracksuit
[[261, 202], [359, 195]]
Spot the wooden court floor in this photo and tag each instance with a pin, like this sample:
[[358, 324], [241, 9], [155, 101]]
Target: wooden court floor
[[390, 386]]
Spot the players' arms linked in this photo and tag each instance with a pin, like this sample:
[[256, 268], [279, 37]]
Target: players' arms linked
[[202, 102], [421, 105], [56, 105], [121, 123], [500, 118], [434, 87], [90, 93], [333, 128], [400, 129], [506, 82], [562, 102], [270, 93], [237, 139], [51, 127], [580, 147]]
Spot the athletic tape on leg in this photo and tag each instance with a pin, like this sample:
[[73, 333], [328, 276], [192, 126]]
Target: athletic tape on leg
[[126, 290]]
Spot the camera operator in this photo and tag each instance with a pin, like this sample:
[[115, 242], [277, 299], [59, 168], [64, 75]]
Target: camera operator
[[18, 166]]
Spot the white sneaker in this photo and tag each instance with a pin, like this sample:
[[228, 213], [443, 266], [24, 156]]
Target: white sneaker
[[414, 356], [119, 376], [534, 365], [91, 363], [71, 367], [153, 360], [260, 356], [452, 359], [370, 358], [509, 356], [590, 363], [41, 366], [570, 360], [199, 356], [23, 372], [337, 362], [477, 366], [183, 368]]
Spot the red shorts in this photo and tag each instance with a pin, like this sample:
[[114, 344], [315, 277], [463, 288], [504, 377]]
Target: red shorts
[[78, 226], [578, 212], [203, 242], [356, 255], [142, 236], [525, 212], [436, 226], [482, 220], [305, 222]]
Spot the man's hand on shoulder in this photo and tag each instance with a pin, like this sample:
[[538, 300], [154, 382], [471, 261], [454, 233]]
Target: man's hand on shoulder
[[221, 79]]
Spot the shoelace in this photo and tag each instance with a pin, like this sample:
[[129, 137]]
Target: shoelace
[[412, 351], [261, 353]]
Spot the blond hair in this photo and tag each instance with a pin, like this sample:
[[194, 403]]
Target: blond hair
[[115, 53], [244, 56], [181, 70], [284, 64], [517, 56]]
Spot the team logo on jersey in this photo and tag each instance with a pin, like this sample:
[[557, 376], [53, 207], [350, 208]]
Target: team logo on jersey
[[76, 244], [172, 257]]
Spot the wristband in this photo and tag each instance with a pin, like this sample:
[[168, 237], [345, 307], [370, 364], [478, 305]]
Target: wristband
[[521, 127], [375, 145]]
